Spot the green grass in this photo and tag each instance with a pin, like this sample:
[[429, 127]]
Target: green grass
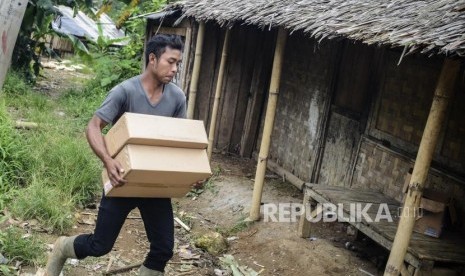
[[52, 207], [15, 245], [15, 85], [49, 171], [14, 157]]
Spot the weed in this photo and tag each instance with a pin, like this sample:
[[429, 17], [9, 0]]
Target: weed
[[208, 185], [14, 158], [15, 246], [15, 85], [67, 163], [51, 162], [241, 225], [50, 206]]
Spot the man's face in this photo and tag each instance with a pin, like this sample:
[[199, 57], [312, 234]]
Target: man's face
[[166, 66]]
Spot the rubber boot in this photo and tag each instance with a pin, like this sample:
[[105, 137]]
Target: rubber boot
[[62, 250], [144, 271]]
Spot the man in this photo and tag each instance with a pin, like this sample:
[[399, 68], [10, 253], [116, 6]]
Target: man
[[149, 93]]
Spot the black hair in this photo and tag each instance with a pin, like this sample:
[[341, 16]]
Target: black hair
[[158, 43]]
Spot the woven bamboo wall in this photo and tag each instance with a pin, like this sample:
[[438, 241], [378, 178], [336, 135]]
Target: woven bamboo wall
[[405, 97], [307, 73], [406, 93], [453, 146]]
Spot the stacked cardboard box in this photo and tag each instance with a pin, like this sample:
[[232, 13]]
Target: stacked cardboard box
[[434, 206], [161, 156]]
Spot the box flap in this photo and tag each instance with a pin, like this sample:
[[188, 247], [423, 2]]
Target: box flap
[[142, 129]]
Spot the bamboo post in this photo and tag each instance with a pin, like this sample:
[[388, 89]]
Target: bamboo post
[[216, 103], [267, 129], [11, 16], [196, 71], [442, 94]]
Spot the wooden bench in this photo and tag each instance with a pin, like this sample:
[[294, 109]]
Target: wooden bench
[[423, 251]]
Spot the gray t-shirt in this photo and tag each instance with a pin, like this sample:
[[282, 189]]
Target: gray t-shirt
[[130, 96]]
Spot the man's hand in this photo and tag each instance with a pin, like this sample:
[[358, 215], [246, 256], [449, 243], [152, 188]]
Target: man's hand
[[115, 172]]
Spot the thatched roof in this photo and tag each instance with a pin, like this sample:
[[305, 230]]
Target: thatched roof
[[429, 26]]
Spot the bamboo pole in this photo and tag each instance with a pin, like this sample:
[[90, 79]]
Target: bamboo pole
[[267, 129], [442, 94], [216, 103], [196, 71]]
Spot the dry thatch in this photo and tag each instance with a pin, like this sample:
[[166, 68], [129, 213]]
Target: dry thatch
[[429, 26]]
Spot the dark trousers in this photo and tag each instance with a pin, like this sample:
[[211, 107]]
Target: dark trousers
[[157, 215]]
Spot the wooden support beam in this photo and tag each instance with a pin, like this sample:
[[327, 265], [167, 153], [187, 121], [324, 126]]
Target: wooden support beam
[[196, 71], [286, 175], [304, 222], [172, 30], [269, 121], [443, 92], [304, 225], [216, 103]]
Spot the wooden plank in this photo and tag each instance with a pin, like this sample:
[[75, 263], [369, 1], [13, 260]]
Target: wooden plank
[[247, 68], [357, 195], [449, 248], [171, 30], [304, 225], [209, 68], [370, 232], [226, 111], [340, 149], [185, 59], [11, 16], [258, 86], [440, 250], [352, 90]]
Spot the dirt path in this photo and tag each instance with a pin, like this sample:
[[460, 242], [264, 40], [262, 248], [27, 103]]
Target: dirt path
[[270, 247]]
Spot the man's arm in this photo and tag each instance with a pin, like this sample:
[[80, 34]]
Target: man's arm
[[97, 143]]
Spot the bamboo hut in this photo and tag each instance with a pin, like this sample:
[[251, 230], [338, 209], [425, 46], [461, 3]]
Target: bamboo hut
[[362, 102]]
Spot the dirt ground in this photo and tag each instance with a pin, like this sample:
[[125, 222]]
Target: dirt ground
[[271, 248]]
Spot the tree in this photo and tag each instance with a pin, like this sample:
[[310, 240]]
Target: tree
[[35, 26], [40, 13]]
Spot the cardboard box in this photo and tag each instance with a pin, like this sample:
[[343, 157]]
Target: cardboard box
[[141, 129], [430, 224], [433, 208], [155, 171]]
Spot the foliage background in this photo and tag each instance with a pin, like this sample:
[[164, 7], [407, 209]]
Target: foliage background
[[48, 172]]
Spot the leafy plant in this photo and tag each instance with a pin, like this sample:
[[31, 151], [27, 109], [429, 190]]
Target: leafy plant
[[103, 45], [79, 48], [35, 26], [241, 225], [208, 185]]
